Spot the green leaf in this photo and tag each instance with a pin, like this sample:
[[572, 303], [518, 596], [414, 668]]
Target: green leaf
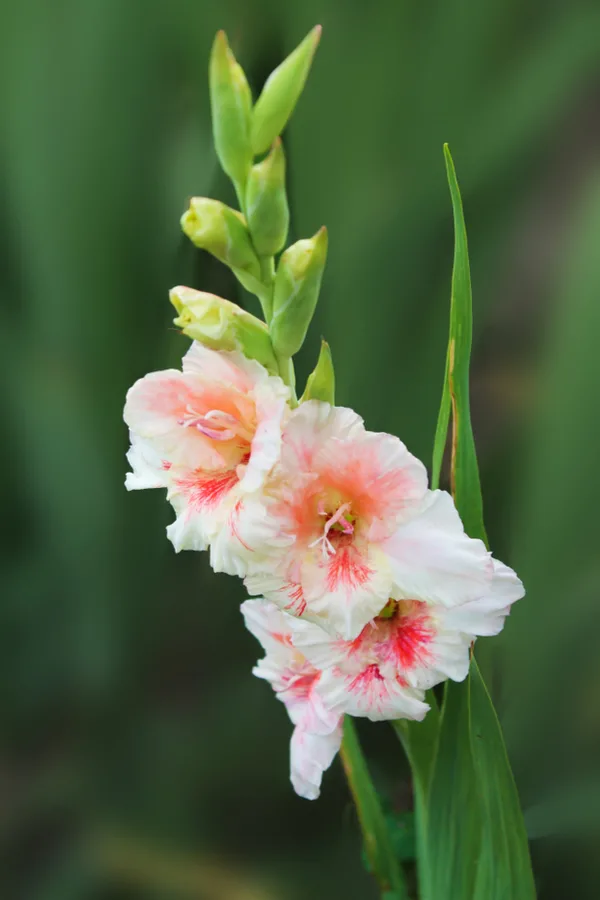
[[378, 844], [504, 867], [464, 471], [487, 856], [453, 816], [320, 384]]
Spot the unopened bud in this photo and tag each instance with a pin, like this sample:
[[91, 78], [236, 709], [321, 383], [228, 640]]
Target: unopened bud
[[266, 203], [231, 108], [222, 325], [280, 93], [296, 292], [222, 231], [321, 382]]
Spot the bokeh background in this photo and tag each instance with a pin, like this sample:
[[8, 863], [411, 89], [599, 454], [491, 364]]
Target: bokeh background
[[139, 759]]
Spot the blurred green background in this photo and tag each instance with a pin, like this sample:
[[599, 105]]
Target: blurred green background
[[139, 757]]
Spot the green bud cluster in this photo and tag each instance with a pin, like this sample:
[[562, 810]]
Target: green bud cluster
[[250, 240]]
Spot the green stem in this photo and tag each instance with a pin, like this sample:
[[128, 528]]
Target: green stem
[[420, 741], [378, 845], [288, 375], [240, 193], [267, 274]]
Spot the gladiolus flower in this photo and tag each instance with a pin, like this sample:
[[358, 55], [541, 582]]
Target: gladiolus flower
[[410, 647], [210, 434], [318, 731], [352, 523]]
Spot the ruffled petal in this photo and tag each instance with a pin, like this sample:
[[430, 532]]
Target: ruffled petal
[[369, 694], [229, 367], [385, 481], [148, 469], [271, 399], [432, 559], [346, 590], [310, 756], [311, 426], [485, 616], [271, 627]]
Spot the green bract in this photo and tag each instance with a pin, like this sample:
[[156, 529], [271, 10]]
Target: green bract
[[296, 292], [231, 107], [321, 382], [222, 325], [280, 93], [266, 203], [222, 231]]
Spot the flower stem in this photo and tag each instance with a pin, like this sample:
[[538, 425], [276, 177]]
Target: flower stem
[[267, 275], [376, 837], [288, 375]]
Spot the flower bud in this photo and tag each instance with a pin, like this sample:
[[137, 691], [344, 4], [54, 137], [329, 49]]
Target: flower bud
[[296, 292], [266, 202], [280, 93], [321, 382], [222, 231], [222, 325], [231, 108]]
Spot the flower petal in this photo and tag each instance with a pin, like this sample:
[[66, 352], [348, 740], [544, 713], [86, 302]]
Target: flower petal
[[344, 591], [311, 426], [271, 627], [310, 756], [371, 695], [229, 367], [148, 470], [432, 559], [485, 616]]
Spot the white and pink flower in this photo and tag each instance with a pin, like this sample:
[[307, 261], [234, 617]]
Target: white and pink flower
[[210, 434], [317, 730], [347, 521], [412, 646]]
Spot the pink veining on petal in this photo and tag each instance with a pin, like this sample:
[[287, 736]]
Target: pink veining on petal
[[408, 639], [297, 604], [205, 490], [346, 567], [234, 517], [370, 683]]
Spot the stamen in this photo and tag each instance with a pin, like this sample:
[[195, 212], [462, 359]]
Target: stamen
[[337, 519], [216, 425]]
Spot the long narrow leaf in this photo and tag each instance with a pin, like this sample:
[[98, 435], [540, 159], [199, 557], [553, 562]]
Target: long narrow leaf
[[464, 471], [504, 868], [378, 844], [475, 835]]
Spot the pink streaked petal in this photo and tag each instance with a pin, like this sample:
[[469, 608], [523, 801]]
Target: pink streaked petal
[[383, 479], [271, 407], [311, 426], [430, 653], [310, 756], [346, 590], [432, 559], [271, 627], [230, 368], [369, 694], [205, 491], [189, 530], [157, 402], [322, 649]]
